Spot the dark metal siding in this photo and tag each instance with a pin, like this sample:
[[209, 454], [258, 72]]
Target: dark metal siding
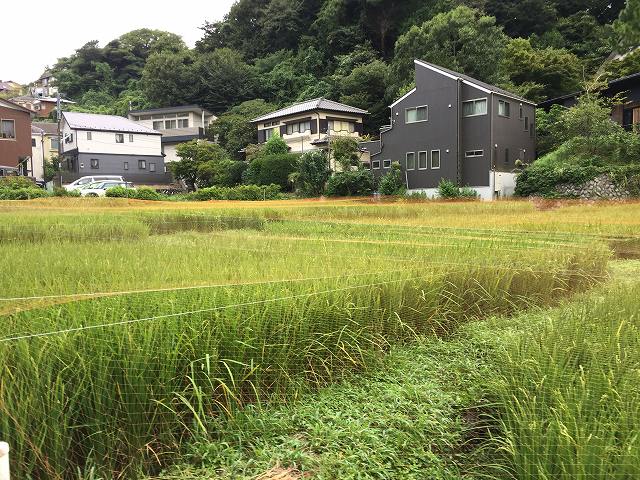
[[476, 135], [510, 133], [439, 92]]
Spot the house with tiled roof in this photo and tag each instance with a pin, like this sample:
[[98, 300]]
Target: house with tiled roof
[[454, 127], [311, 124], [94, 144]]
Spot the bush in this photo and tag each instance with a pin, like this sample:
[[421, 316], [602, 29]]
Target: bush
[[313, 173], [350, 183], [19, 188], [16, 183], [142, 193], [272, 169], [63, 192], [241, 192], [393, 183], [448, 189]]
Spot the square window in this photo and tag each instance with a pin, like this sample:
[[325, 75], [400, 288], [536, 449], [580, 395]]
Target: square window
[[375, 164], [435, 159], [169, 124], [504, 108], [411, 161], [422, 160], [89, 136], [55, 143], [152, 167], [119, 137], [142, 164], [183, 123], [8, 129], [386, 163], [95, 163], [473, 108], [157, 125]]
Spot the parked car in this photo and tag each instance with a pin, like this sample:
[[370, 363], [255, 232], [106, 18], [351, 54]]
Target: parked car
[[84, 181], [99, 189]]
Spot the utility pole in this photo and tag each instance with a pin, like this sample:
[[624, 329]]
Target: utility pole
[[58, 177]]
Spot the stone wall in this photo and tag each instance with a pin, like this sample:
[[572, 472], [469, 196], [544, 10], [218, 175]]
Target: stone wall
[[600, 187]]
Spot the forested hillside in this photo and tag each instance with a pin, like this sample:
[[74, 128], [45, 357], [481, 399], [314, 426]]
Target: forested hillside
[[271, 52]]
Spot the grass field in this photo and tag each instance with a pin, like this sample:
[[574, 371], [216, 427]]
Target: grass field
[[129, 329]]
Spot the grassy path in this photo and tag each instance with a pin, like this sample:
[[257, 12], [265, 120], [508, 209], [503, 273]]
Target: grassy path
[[562, 383]]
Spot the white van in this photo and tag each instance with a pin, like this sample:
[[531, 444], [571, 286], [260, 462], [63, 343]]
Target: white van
[[75, 185]]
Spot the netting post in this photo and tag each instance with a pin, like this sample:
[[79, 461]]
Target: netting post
[[4, 461]]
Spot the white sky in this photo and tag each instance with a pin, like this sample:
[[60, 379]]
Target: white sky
[[35, 43]]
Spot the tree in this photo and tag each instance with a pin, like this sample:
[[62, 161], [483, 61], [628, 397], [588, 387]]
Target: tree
[[522, 18], [169, 78], [547, 72], [627, 26], [462, 39], [624, 66], [351, 183], [312, 173], [275, 146], [234, 130], [272, 169], [548, 131], [201, 164], [344, 151]]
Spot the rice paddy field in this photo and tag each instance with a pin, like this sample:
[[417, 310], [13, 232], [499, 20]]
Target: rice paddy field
[[210, 340]]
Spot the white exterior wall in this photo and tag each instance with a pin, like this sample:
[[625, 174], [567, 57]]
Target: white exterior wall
[[105, 142], [170, 152], [66, 131], [195, 119], [37, 156]]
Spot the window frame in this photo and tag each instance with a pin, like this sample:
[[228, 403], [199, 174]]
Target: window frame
[[416, 108], [426, 160], [131, 138], [439, 160], [473, 101], [508, 108], [526, 123], [13, 122], [119, 137], [33, 142], [125, 165], [473, 153], [94, 164], [374, 163], [185, 123], [89, 136], [142, 164], [507, 156], [384, 163], [406, 159], [152, 167], [155, 122]]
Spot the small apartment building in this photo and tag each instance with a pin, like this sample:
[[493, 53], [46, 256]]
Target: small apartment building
[[40, 106], [454, 127], [45, 142], [310, 125], [15, 138], [95, 144], [176, 124]]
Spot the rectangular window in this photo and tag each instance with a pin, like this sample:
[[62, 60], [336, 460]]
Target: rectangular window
[[531, 132], [386, 164], [183, 123], [157, 125], [69, 138], [411, 161], [168, 124], [474, 153], [504, 108], [8, 129], [422, 160], [375, 164], [125, 166], [33, 142], [506, 156], [89, 137], [435, 159], [340, 126], [55, 143], [142, 164], [521, 114], [119, 137], [152, 167], [131, 137], [95, 163], [473, 108], [417, 114], [299, 127], [526, 123], [270, 133]]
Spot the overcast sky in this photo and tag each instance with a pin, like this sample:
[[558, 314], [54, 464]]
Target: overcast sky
[[58, 31]]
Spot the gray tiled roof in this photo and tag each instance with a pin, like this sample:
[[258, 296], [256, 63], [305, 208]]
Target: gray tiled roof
[[49, 128], [479, 83], [109, 123], [310, 105]]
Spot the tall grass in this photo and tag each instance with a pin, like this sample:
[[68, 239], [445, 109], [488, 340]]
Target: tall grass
[[115, 380], [569, 392]]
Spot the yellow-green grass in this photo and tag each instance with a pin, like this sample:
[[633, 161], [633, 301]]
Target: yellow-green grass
[[110, 367]]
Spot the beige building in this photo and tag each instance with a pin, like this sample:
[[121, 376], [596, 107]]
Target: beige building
[[176, 124], [312, 124], [45, 143]]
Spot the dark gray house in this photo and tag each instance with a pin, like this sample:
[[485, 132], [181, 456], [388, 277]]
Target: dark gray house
[[95, 144], [454, 127], [626, 113]]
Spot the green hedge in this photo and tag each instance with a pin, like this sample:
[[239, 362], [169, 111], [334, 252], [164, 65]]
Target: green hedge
[[241, 192], [142, 193]]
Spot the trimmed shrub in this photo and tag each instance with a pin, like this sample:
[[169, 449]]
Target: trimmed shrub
[[350, 183], [272, 169], [142, 193], [393, 183], [241, 192], [448, 189], [22, 193], [63, 192]]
